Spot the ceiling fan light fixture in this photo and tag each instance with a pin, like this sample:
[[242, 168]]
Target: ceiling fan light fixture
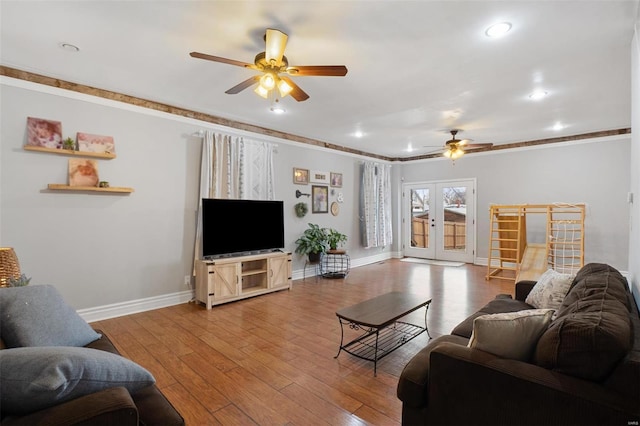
[[261, 91], [268, 81], [284, 88]]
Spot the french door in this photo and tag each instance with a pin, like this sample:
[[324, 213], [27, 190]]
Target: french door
[[439, 220]]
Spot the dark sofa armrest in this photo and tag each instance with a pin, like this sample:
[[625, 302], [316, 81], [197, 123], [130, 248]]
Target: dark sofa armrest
[[494, 390], [112, 406], [523, 288]]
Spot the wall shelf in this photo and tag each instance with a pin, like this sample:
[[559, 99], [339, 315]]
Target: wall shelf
[[61, 187], [69, 152]]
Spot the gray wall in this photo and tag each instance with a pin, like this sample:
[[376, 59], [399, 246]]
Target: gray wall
[[595, 173], [100, 249]]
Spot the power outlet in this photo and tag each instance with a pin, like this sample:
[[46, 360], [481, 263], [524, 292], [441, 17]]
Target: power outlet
[[187, 281]]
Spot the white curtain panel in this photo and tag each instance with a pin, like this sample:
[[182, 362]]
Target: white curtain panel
[[233, 168], [375, 205]]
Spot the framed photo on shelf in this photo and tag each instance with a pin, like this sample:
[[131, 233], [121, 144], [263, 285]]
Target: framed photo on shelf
[[319, 199], [300, 176], [95, 143], [319, 177], [44, 133], [336, 180]]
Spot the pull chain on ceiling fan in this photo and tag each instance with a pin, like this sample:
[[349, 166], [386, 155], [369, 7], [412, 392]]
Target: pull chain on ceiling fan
[[275, 69]]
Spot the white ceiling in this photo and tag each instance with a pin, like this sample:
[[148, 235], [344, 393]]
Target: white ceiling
[[416, 68]]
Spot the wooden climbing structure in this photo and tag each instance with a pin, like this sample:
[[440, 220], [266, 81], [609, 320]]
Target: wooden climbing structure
[[559, 245]]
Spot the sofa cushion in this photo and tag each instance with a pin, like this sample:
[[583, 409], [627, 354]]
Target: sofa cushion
[[511, 335], [498, 305], [550, 290], [36, 378], [38, 316], [592, 332], [412, 386]]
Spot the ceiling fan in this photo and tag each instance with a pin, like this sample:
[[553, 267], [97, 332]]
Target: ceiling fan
[[455, 148], [275, 69]]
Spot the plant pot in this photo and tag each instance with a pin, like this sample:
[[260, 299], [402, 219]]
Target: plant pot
[[336, 251], [314, 257]]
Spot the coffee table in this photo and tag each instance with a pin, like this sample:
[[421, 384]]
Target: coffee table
[[378, 319]]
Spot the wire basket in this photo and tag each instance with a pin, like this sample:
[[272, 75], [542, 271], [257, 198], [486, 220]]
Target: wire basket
[[9, 266]]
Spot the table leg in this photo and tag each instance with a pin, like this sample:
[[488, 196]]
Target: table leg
[[375, 355], [341, 338], [426, 310]]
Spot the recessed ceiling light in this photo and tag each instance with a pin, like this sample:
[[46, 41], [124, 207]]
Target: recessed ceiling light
[[69, 47], [277, 108], [538, 94], [498, 30], [558, 126], [358, 134]]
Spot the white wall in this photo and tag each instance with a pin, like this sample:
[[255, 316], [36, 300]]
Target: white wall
[[634, 209], [595, 173]]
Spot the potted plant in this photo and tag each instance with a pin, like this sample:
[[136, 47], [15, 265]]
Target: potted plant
[[69, 143], [313, 242], [335, 239]]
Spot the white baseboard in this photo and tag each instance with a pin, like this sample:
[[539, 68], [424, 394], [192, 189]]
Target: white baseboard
[[311, 270], [134, 306]]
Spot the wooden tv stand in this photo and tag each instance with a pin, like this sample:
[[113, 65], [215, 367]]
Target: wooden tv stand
[[233, 278]]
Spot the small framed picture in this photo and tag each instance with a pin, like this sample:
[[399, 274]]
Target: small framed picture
[[336, 180], [319, 177], [95, 143], [83, 172], [44, 133], [300, 176], [319, 199]]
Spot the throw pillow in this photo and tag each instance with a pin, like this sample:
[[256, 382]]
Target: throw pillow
[[511, 335], [550, 290], [37, 315], [40, 377]]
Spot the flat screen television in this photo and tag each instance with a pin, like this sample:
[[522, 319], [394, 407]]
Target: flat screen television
[[241, 227]]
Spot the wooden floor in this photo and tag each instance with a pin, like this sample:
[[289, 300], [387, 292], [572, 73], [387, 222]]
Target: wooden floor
[[269, 360]]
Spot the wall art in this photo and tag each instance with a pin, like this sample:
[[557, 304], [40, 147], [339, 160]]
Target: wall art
[[336, 180], [319, 199], [319, 177], [300, 176], [44, 133], [83, 172], [96, 143]]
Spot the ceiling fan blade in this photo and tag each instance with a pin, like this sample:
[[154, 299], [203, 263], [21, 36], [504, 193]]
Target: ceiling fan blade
[[320, 70], [297, 93], [222, 60], [240, 87], [276, 41]]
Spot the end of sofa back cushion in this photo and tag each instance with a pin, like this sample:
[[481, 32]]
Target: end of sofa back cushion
[[592, 332], [37, 315]]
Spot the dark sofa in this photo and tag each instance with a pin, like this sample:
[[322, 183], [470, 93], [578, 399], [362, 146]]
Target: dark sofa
[[55, 369], [112, 406], [585, 368]]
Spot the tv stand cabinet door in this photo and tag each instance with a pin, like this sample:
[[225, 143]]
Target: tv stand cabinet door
[[225, 281], [216, 282], [280, 272]]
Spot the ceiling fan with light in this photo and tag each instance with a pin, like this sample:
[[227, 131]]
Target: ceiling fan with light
[[455, 148], [275, 69]]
